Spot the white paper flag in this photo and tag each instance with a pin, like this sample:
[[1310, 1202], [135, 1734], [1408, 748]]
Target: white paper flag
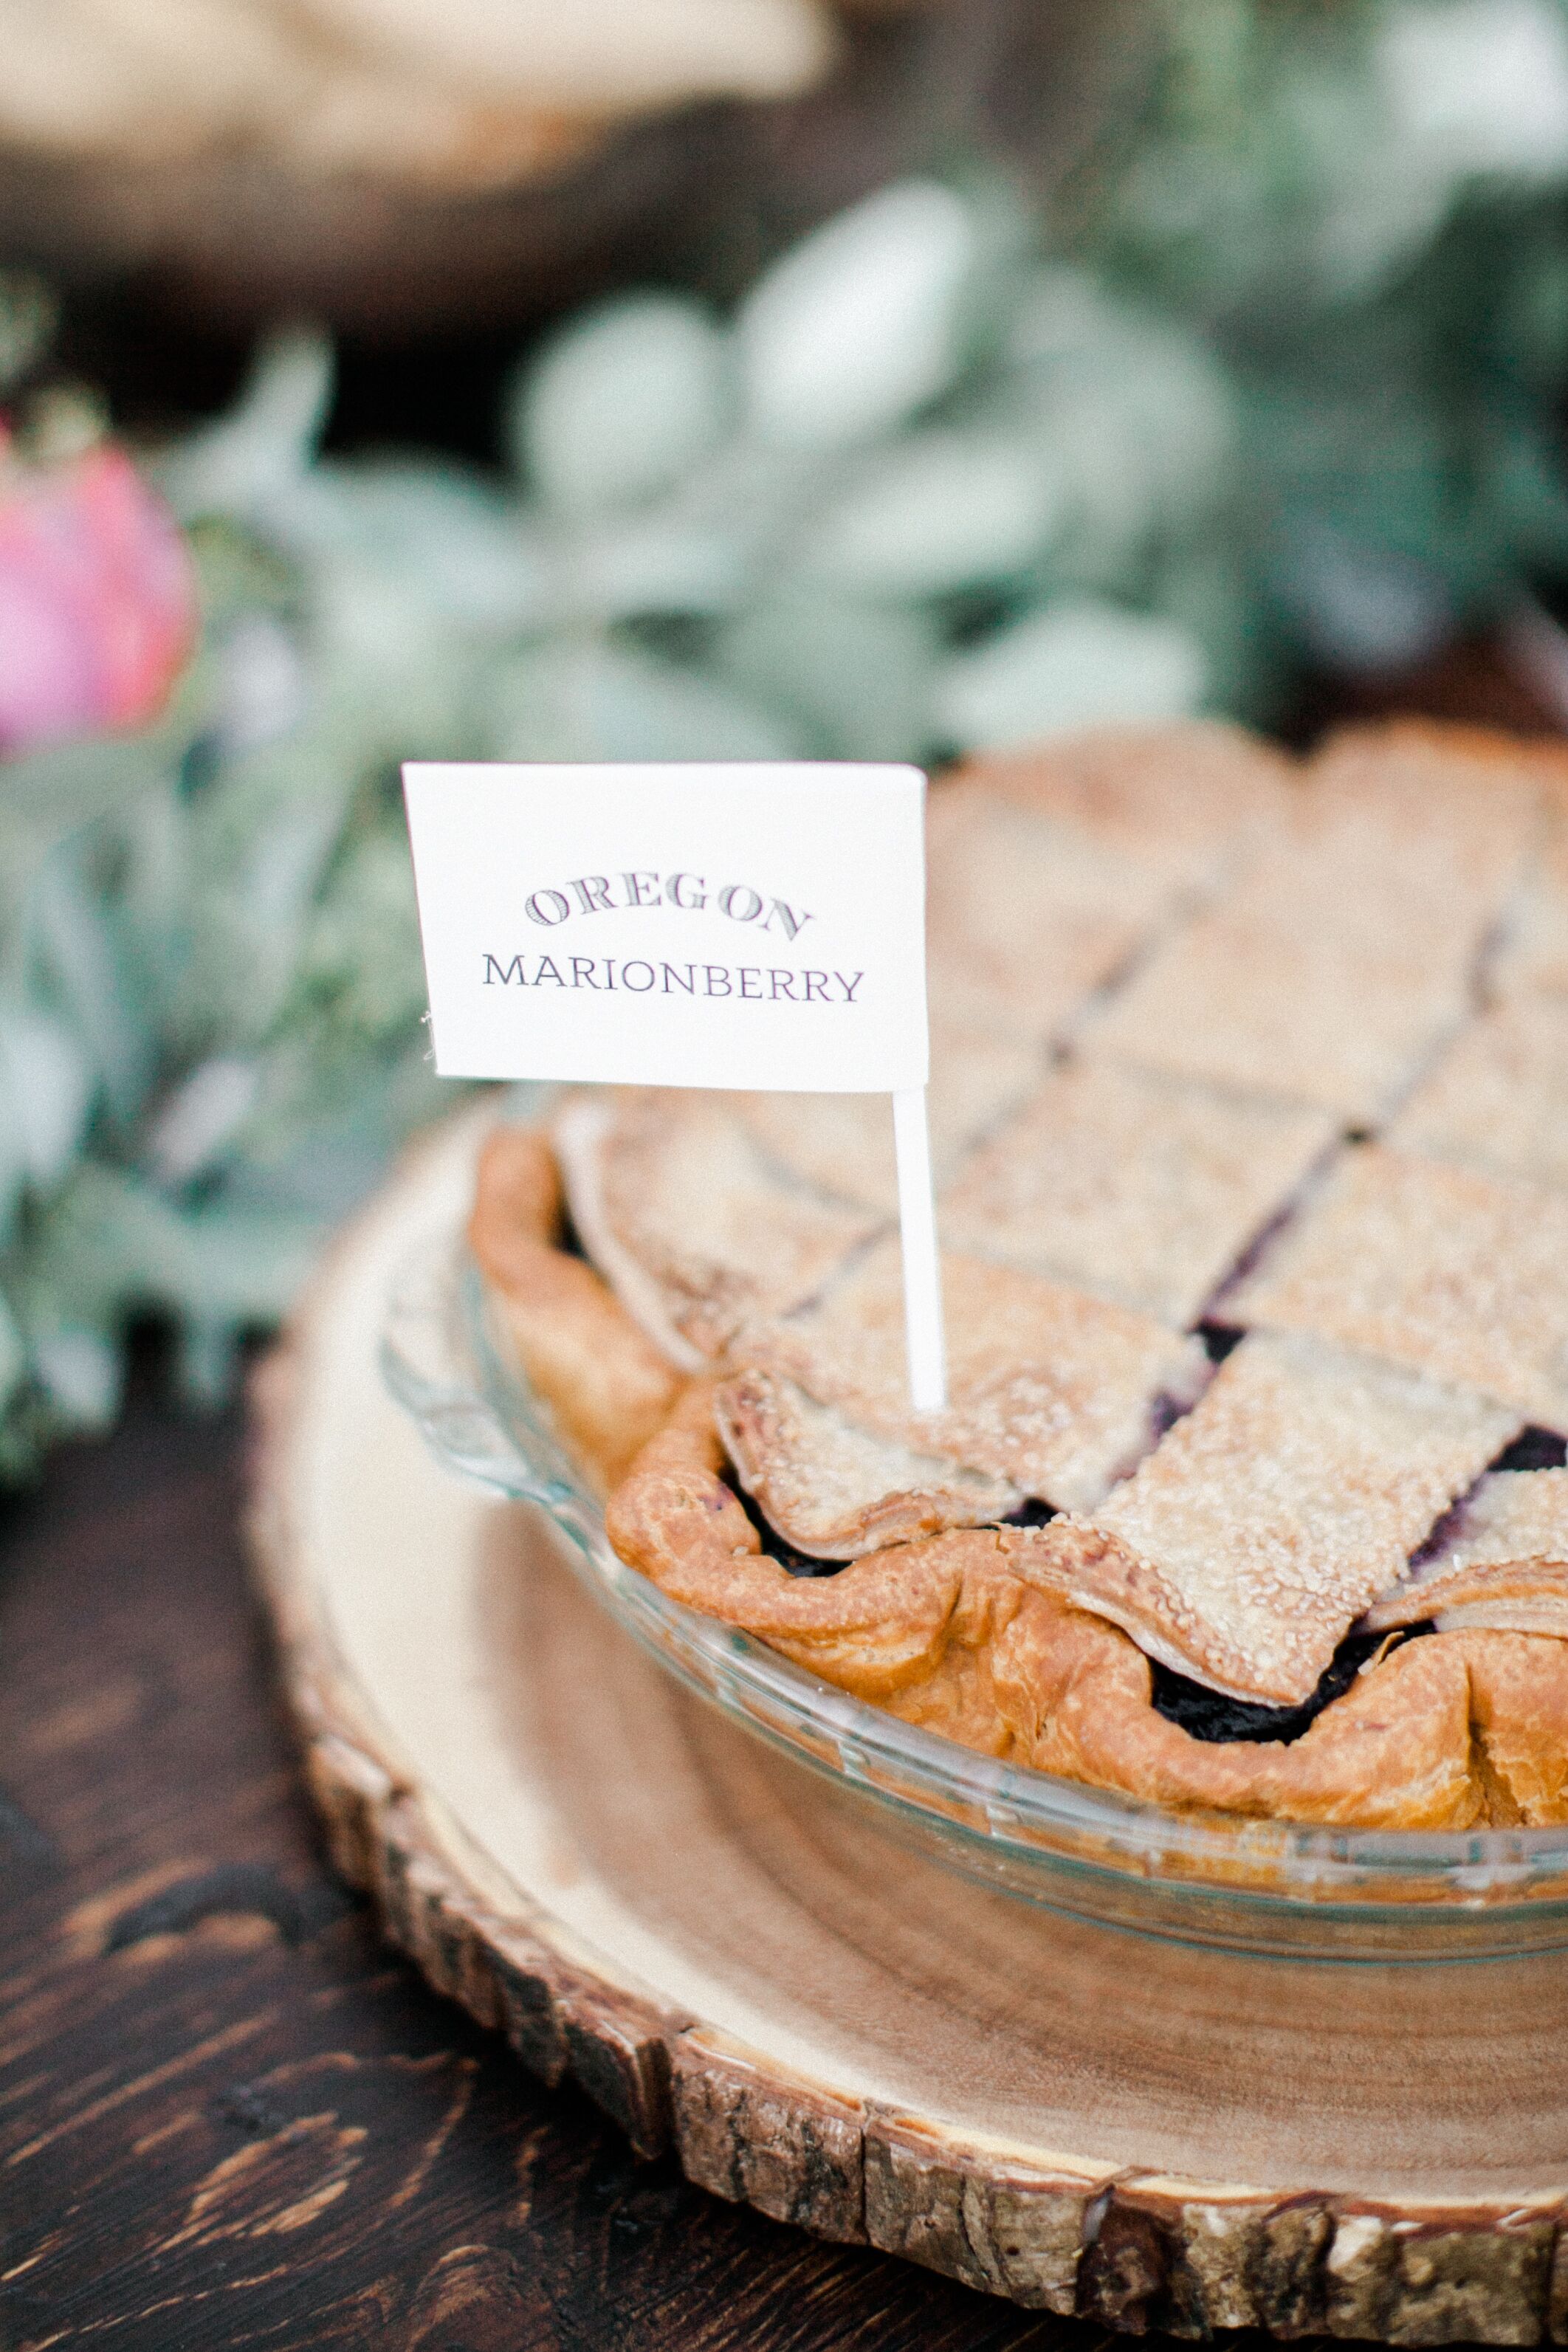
[[737, 926]]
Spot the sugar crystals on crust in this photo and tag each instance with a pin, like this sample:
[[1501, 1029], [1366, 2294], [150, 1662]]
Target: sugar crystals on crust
[[1056, 1392], [692, 1224], [834, 1489], [1142, 1188], [1171, 974], [1498, 1098], [1345, 953], [1454, 1272], [1026, 920], [1501, 1560], [1244, 1547]]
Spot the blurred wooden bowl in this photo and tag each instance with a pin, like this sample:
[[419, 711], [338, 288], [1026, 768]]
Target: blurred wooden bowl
[[703, 194]]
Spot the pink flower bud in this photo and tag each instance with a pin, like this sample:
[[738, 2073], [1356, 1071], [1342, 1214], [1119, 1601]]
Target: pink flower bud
[[97, 598]]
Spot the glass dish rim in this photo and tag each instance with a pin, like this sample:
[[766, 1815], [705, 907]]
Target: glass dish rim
[[443, 1361]]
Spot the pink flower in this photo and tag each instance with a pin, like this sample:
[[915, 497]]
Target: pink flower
[[97, 598]]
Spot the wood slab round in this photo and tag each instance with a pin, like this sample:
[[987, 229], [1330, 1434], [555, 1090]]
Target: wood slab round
[[735, 1958]]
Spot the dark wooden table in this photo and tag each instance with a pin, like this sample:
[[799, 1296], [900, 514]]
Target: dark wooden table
[[228, 2115]]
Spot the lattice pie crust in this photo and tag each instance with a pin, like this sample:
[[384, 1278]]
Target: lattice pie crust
[[1250, 1106]]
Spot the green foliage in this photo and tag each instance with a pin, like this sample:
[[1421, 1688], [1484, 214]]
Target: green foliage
[[1276, 377]]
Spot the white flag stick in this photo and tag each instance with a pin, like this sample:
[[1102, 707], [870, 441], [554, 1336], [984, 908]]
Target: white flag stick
[[922, 1270]]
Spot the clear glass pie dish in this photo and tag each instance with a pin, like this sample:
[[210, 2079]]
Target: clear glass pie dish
[[1264, 1886]]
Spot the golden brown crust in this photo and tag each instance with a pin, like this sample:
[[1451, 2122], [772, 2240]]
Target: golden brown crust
[[1047, 1387], [751, 1240], [1244, 1547], [969, 1634], [1518, 1704], [1502, 1563], [1459, 1275], [908, 1629], [1393, 1752], [835, 1490], [1142, 1189], [605, 1383], [873, 1627]]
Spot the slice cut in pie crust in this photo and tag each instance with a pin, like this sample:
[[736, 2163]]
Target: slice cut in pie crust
[[1056, 1392], [1501, 1560], [1251, 1126], [1135, 1186], [1276, 1510], [1498, 1098], [1347, 950], [676, 1202], [1459, 1275], [833, 1488]]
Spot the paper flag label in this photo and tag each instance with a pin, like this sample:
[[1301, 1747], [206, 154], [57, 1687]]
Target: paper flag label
[[745, 926]]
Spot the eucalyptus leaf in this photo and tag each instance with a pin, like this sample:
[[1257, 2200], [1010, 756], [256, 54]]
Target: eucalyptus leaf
[[854, 679], [81, 1373], [1137, 415], [1072, 666], [208, 1361], [80, 946], [1478, 86], [27, 315], [941, 510], [252, 457], [1362, 608], [863, 323], [451, 541], [648, 564], [602, 701], [12, 1354], [622, 404], [14, 1167], [197, 1122], [45, 1091], [115, 1246], [50, 797]]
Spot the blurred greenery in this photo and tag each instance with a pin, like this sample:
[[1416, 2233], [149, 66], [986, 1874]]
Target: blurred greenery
[[1276, 378]]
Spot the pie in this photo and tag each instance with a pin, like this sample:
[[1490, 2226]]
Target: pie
[[1249, 1105]]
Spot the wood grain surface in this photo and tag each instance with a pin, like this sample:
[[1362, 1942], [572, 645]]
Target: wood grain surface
[[738, 1962], [228, 2116]]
